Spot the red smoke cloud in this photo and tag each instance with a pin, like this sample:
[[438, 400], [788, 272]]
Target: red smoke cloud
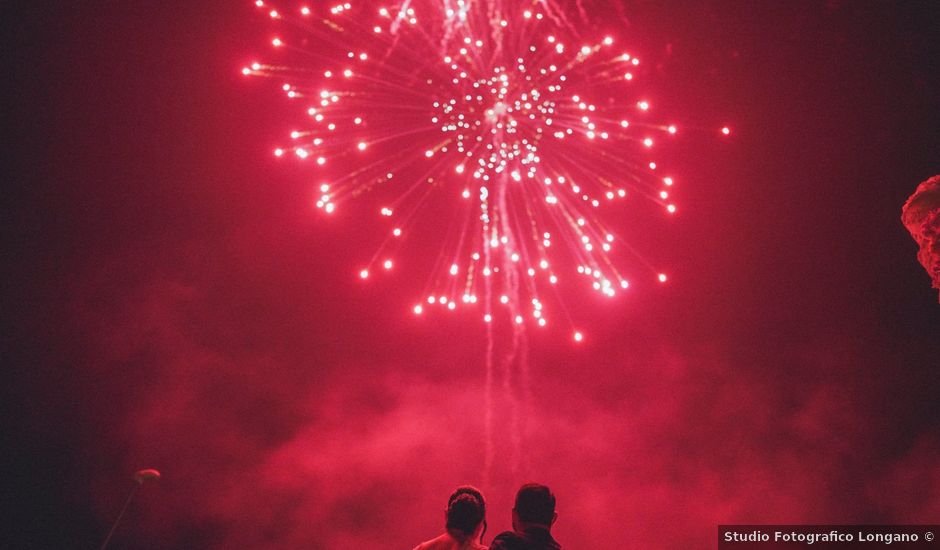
[[262, 448]]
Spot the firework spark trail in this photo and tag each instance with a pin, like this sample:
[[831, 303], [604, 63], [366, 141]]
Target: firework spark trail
[[493, 118], [489, 448]]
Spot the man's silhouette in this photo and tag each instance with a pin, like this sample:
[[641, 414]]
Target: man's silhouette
[[532, 520]]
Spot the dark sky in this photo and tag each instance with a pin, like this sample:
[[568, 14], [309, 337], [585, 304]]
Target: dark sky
[[172, 300]]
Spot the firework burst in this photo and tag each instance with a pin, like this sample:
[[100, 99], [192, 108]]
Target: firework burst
[[496, 115]]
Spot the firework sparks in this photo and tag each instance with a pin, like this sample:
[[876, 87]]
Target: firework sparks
[[494, 115]]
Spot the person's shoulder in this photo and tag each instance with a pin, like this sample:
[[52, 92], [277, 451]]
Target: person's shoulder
[[507, 540], [436, 542]]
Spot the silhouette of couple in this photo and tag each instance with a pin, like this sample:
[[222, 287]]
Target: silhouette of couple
[[465, 521]]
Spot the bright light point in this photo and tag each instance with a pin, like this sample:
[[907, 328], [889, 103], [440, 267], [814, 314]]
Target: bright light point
[[305, 10], [487, 318], [278, 152], [453, 269], [396, 232], [246, 71], [628, 76], [672, 129], [585, 50], [578, 336], [624, 284], [418, 309], [608, 41], [726, 130], [452, 306], [459, 169], [624, 124], [671, 208], [667, 181], [504, 299], [662, 277], [387, 264], [276, 42], [362, 146], [518, 319], [364, 274], [347, 73], [273, 14], [466, 194], [386, 211], [644, 105], [648, 142], [330, 207], [321, 161], [553, 279]]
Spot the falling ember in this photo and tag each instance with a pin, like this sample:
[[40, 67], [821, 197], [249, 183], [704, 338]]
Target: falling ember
[[496, 120]]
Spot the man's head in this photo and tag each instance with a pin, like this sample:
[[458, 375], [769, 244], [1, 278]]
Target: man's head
[[535, 507], [465, 516]]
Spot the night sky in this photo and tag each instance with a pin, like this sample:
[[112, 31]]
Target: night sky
[[173, 300]]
